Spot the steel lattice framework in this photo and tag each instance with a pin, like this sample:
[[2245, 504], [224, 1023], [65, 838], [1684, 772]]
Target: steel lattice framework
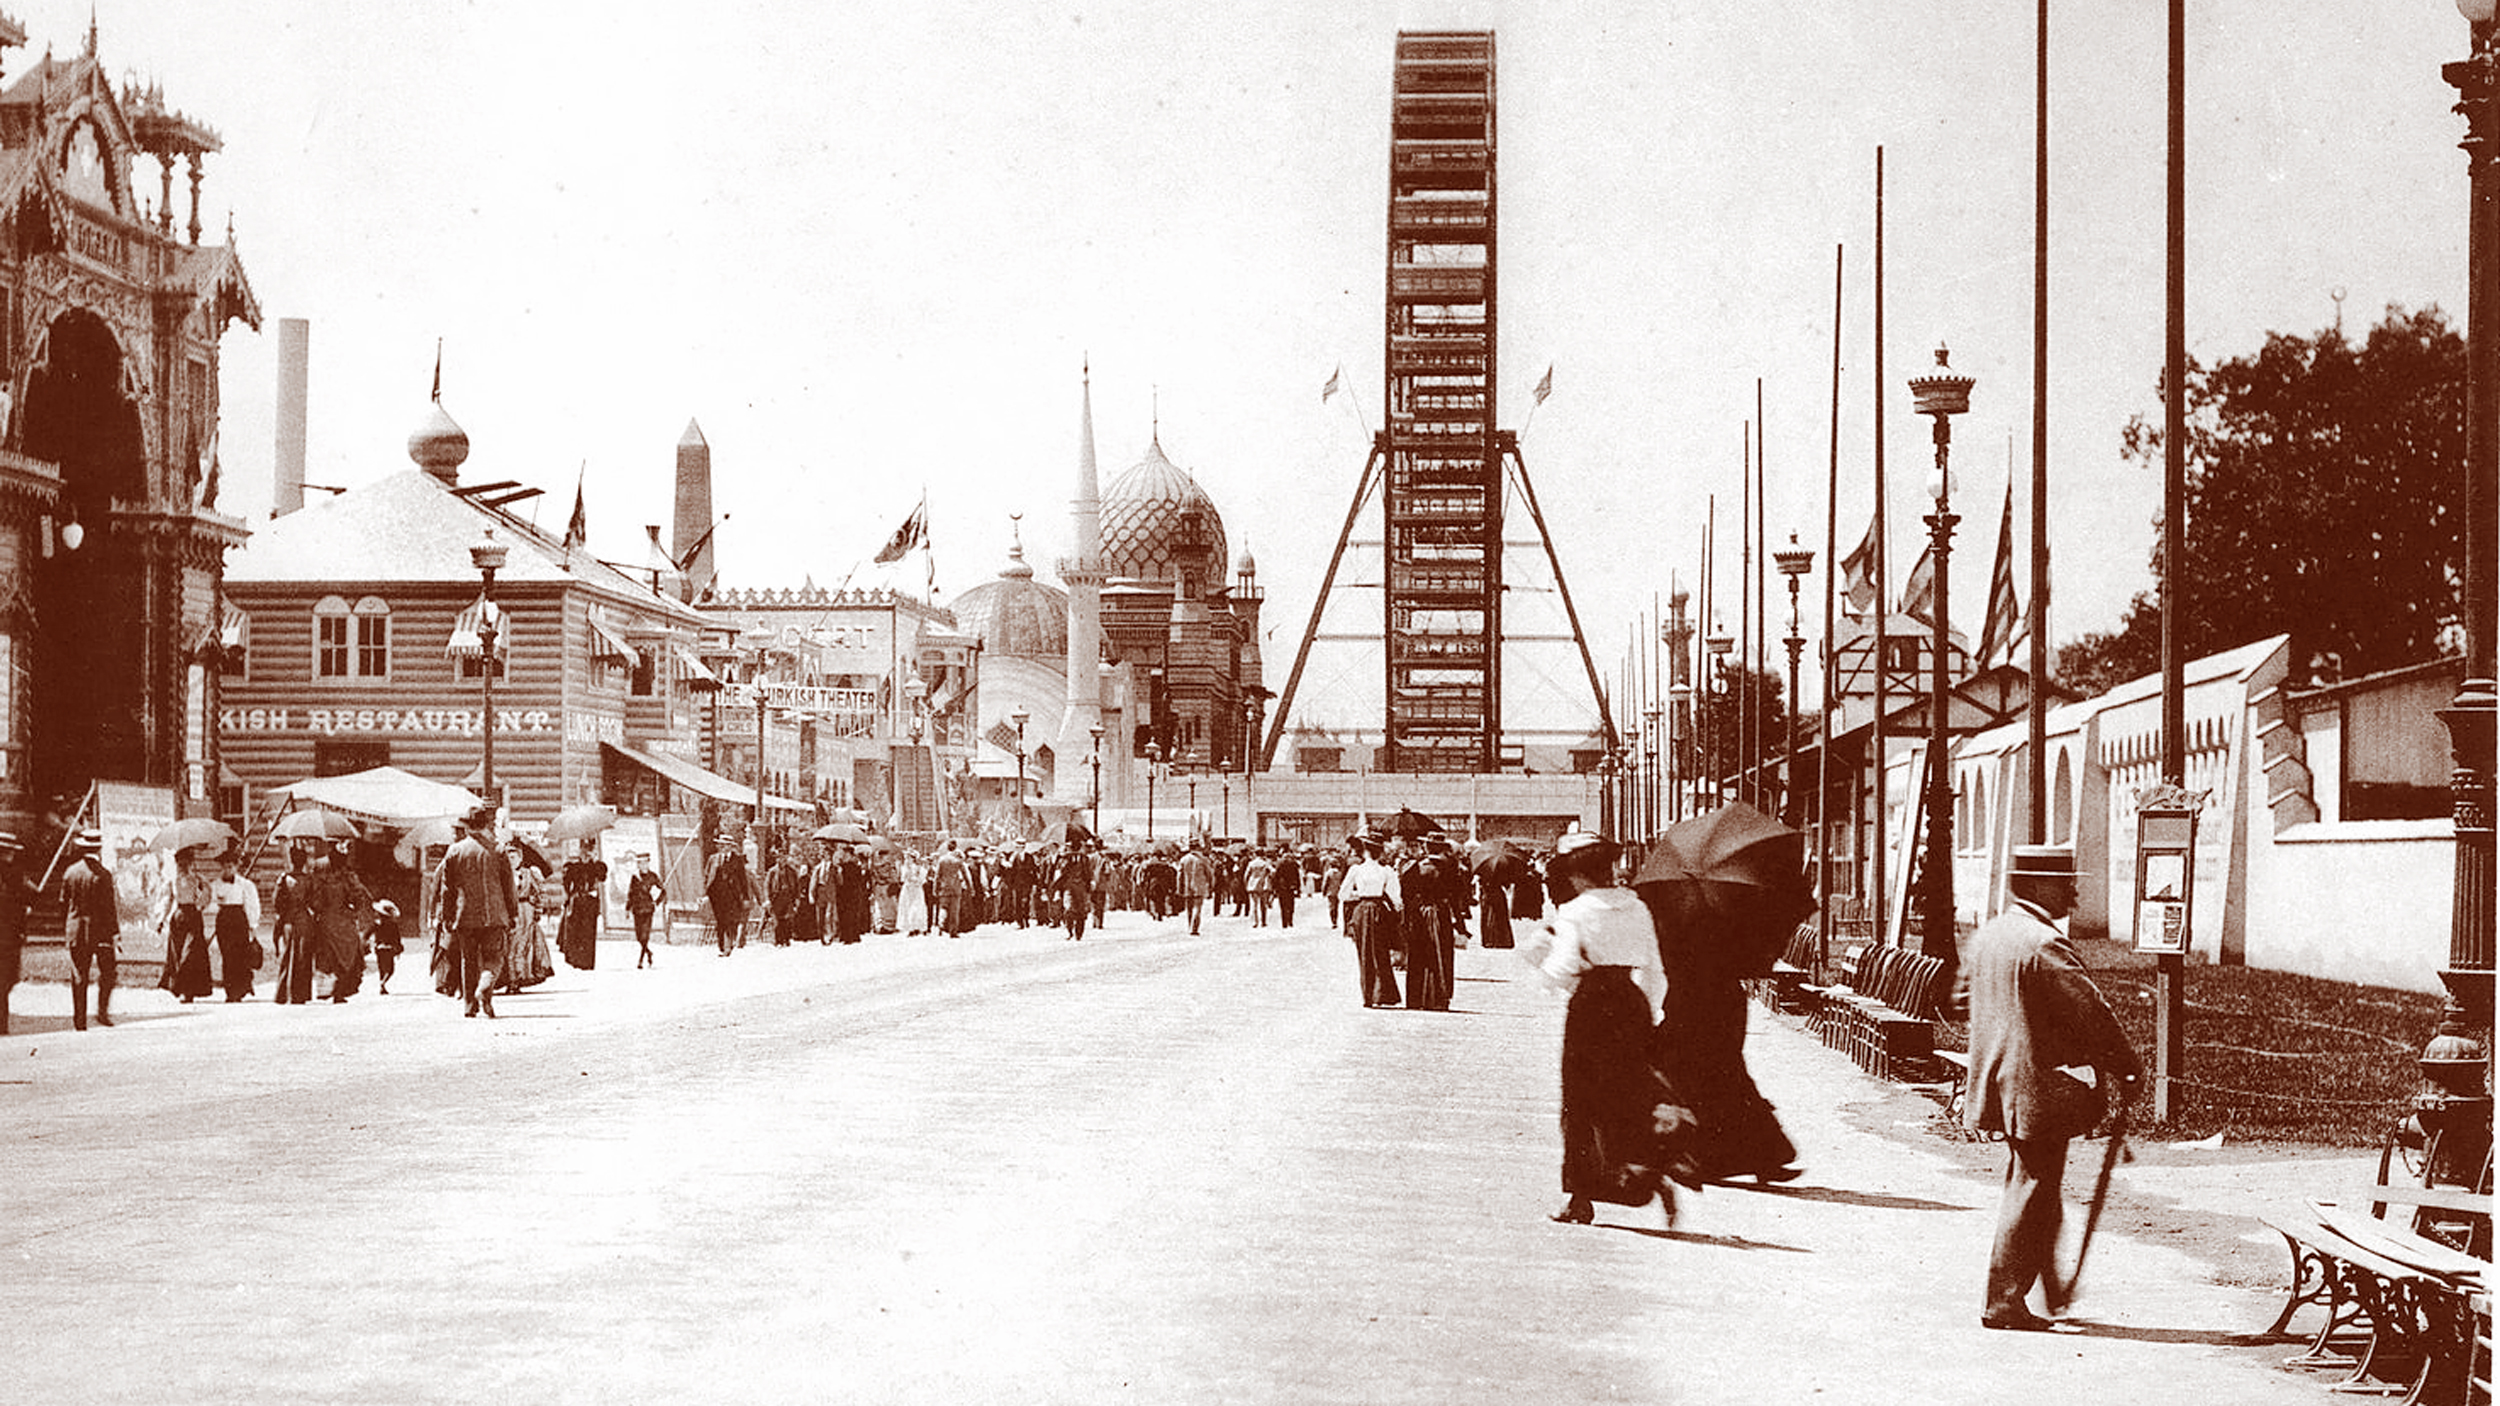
[[1439, 463]]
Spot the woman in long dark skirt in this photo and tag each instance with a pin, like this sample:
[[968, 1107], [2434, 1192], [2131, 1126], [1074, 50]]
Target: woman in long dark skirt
[[186, 934], [1370, 898], [237, 901], [1614, 1107], [1701, 1042], [577, 932]]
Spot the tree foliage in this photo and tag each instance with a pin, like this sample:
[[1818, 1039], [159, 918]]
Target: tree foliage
[[1755, 698], [2325, 501]]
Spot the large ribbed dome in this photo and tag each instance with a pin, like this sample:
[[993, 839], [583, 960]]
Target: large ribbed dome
[[1015, 614], [1155, 519]]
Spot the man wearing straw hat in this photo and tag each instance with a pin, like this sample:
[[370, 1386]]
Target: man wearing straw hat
[[94, 927], [2032, 1010]]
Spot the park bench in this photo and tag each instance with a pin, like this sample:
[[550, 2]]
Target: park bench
[[1882, 1011], [1785, 989], [2404, 1311]]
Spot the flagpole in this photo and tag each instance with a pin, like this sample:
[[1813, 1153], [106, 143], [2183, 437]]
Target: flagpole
[[1744, 617], [2037, 730], [1761, 585], [1831, 596], [1882, 894], [1703, 664]]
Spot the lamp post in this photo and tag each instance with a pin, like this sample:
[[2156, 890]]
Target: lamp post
[[1655, 770], [1249, 755], [1095, 758], [1794, 562], [1941, 394], [2455, 1106], [1715, 737], [1607, 800], [1676, 636], [1154, 763], [488, 557], [1021, 716]]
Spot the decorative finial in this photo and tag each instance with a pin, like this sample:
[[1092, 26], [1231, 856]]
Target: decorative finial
[[437, 396]]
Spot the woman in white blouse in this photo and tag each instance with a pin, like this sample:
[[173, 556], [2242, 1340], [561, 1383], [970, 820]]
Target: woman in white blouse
[[1604, 951]]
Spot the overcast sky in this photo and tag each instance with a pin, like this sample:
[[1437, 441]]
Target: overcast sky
[[869, 246]]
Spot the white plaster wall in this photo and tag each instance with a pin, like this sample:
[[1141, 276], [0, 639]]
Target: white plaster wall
[[2365, 901]]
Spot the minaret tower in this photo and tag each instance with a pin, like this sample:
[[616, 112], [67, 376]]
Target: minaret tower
[[1082, 573]]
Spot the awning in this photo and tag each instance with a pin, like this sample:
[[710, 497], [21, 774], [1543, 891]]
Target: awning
[[606, 643], [698, 673], [701, 782], [468, 632], [384, 794]]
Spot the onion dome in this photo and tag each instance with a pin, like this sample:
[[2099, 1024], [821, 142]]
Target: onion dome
[[1245, 564], [438, 444], [1013, 614], [1159, 525]]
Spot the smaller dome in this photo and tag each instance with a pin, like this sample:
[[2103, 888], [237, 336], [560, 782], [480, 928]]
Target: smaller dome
[[438, 444], [1013, 614], [1247, 565]]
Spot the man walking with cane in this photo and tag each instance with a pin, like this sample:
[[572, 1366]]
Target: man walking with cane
[[2032, 1010]]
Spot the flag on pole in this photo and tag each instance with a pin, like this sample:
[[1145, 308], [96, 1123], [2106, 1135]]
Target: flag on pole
[[1331, 388], [1545, 385], [2003, 617], [913, 532], [577, 527], [1918, 592], [1857, 574]]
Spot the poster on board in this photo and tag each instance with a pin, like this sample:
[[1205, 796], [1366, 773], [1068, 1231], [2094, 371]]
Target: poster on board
[[130, 816]]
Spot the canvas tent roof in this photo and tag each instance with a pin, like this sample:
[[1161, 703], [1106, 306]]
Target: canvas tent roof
[[385, 794]]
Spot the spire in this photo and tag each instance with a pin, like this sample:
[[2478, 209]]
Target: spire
[[1081, 572]]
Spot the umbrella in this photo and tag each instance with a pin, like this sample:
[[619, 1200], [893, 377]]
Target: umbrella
[[1406, 825], [427, 833], [194, 833], [315, 825], [1498, 860], [1067, 832], [1735, 873], [579, 823], [844, 832], [533, 856]]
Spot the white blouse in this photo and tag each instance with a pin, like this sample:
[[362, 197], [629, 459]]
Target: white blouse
[[1607, 927], [1372, 879]]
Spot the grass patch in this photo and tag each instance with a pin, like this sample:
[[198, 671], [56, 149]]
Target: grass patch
[[2271, 1057]]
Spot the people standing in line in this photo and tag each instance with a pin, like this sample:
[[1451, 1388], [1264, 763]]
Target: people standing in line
[[644, 895], [186, 970], [236, 901], [294, 932], [730, 888], [2034, 1009], [93, 928], [1195, 879], [14, 894], [387, 944], [1369, 899], [1601, 949], [479, 900], [1285, 879], [577, 932]]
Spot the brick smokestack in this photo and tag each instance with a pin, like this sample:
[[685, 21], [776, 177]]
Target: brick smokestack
[[294, 384]]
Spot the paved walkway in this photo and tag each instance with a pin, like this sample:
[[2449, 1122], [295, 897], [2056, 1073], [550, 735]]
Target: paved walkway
[[1005, 1168]]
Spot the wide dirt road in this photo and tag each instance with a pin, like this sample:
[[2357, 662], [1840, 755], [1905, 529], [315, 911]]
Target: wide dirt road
[[1146, 1167]]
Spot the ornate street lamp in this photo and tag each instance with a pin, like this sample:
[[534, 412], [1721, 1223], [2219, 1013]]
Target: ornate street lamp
[[1021, 716], [1940, 394], [2455, 1106], [1794, 562], [1608, 801], [1652, 769], [488, 557], [1715, 737], [1096, 759], [1154, 763]]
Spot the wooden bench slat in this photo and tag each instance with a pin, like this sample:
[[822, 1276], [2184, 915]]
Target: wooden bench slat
[[2401, 1245]]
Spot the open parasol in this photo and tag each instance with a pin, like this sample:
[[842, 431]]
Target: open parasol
[[1407, 824], [579, 822], [842, 832], [197, 832], [315, 824], [1738, 872], [1067, 832], [1497, 860]]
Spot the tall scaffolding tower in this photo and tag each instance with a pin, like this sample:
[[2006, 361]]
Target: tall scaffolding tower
[[1438, 465]]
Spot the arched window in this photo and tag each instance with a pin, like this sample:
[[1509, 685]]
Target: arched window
[[351, 642], [331, 651], [373, 638]]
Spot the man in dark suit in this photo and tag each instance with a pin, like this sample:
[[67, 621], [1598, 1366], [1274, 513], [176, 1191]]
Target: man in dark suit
[[94, 927], [479, 902], [2033, 1010]]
